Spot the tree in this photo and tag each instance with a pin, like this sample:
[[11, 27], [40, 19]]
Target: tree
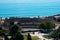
[[19, 36], [0, 26], [6, 38], [46, 25], [56, 34], [3, 35], [42, 25], [11, 23], [14, 32], [29, 37]]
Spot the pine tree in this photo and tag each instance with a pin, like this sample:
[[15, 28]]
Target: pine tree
[[29, 37], [14, 32]]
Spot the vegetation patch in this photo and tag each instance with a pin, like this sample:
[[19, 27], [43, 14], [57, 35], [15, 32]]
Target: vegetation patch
[[47, 36], [33, 37]]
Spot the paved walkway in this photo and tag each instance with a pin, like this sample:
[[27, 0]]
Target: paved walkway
[[40, 36]]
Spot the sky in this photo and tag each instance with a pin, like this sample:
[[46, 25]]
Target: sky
[[29, 1]]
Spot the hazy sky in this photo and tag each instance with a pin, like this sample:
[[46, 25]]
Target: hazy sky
[[29, 1]]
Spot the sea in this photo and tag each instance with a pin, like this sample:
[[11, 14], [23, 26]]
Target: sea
[[28, 9]]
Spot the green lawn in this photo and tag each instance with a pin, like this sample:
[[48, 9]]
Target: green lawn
[[33, 37]]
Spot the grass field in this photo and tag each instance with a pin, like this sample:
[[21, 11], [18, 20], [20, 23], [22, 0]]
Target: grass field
[[33, 37]]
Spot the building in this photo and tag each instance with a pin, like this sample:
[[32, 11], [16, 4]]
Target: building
[[27, 22]]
